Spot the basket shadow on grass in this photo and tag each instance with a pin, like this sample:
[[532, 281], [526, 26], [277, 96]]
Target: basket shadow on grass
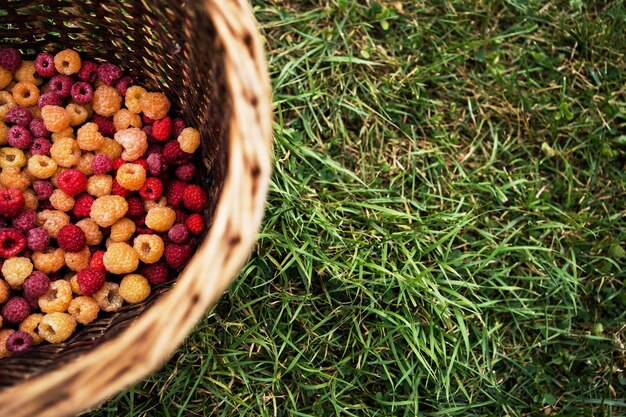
[[441, 235]]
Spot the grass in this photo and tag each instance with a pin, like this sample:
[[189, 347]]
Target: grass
[[445, 222]]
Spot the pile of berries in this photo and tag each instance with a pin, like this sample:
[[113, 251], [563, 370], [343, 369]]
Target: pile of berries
[[97, 194]]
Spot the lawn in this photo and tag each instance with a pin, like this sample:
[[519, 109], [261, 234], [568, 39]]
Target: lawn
[[446, 222]]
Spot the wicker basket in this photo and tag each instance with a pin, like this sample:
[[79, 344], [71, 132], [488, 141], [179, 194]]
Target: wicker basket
[[207, 57]]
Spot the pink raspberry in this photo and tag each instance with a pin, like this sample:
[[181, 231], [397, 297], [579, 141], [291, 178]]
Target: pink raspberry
[[72, 181], [71, 238], [19, 115], [178, 126], [37, 239], [156, 273], [40, 146], [156, 164], [82, 205], [19, 137], [25, 221], [148, 131], [105, 124], [19, 341], [49, 98], [15, 310], [82, 92], [101, 164], [178, 233], [90, 280], [43, 189], [11, 202], [109, 73], [61, 84], [177, 256], [38, 129], [36, 285], [44, 65], [88, 71], [135, 207], [123, 84], [12, 242], [186, 172], [10, 58]]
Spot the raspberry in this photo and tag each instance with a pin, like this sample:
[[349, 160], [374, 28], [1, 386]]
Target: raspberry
[[29, 325], [109, 73], [141, 161], [120, 258], [15, 270], [4, 335], [71, 238], [40, 146], [30, 200], [100, 185], [124, 119], [194, 198], [37, 239], [189, 140], [6, 102], [11, 202], [19, 137], [72, 181], [186, 172], [172, 152], [135, 207], [91, 280], [25, 94], [134, 288], [132, 98], [36, 285], [77, 261], [181, 215], [152, 189], [177, 256], [58, 297], [156, 164], [118, 163], [107, 209], [16, 310], [108, 298], [56, 327], [117, 189], [38, 129], [5, 77], [179, 125], [78, 113], [49, 261], [12, 177], [175, 193], [84, 164], [28, 72], [84, 309], [88, 72], [12, 158], [52, 221], [82, 205], [93, 234], [105, 124], [43, 189], [154, 105], [195, 223], [123, 84], [134, 141], [49, 98], [5, 291], [162, 129], [62, 201], [147, 129], [18, 115], [67, 62], [156, 273], [55, 118], [106, 101], [61, 85], [82, 92], [178, 234], [131, 176], [122, 230], [160, 219], [41, 166], [97, 261], [44, 65], [19, 342], [89, 138], [101, 164], [25, 221], [149, 248], [10, 58]]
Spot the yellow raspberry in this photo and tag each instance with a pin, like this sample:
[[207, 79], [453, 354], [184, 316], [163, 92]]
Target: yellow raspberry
[[134, 288], [106, 101], [52, 221], [154, 105], [12, 157], [25, 94], [6, 103], [78, 113], [74, 285], [42, 167], [93, 235], [56, 327], [65, 133], [110, 148], [4, 133], [131, 176], [49, 261], [4, 335], [35, 111], [134, 141], [16, 270], [5, 291], [189, 140], [120, 258], [60, 200], [31, 202], [65, 152], [30, 324], [108, 297], [108, 209], [99, 185], [67, 62], [132, 99], [14, 177], [55, 118], [150, 204], [149, 248], [58, 297], [84, 309], [124, 119], [5, 77], [84, 164], [27, 72], [89, 138], [122, 230], [79, 260], [160, 219]]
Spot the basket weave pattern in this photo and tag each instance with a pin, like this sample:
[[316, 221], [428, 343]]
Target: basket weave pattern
[[207, 57]]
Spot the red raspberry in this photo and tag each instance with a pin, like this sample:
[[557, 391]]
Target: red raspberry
[[40, 146], [25, 221], [195, 223], [148, 131], [18, 115], [109, 73], [43, 189], [175, 193], [135, 207], [96, 260], [172, 152], [11, 202], [186, 172], [38, 129], [90, 280], [61, 84], [101, 164], [36, 285], [88, 71], [194, 198], [162, 129], [117, 189], [12, 242], [179, 126], [16, 310], [156, 273], [82, 205], [144, 231], [105, 124], [72, 181], [178, 233], [124, 84], [49, 98], [118, 163], [143, 162], [151, 189], [177, 256], [44, 65], [19, 137], [71, 238], [10, 58], [146, 119]]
